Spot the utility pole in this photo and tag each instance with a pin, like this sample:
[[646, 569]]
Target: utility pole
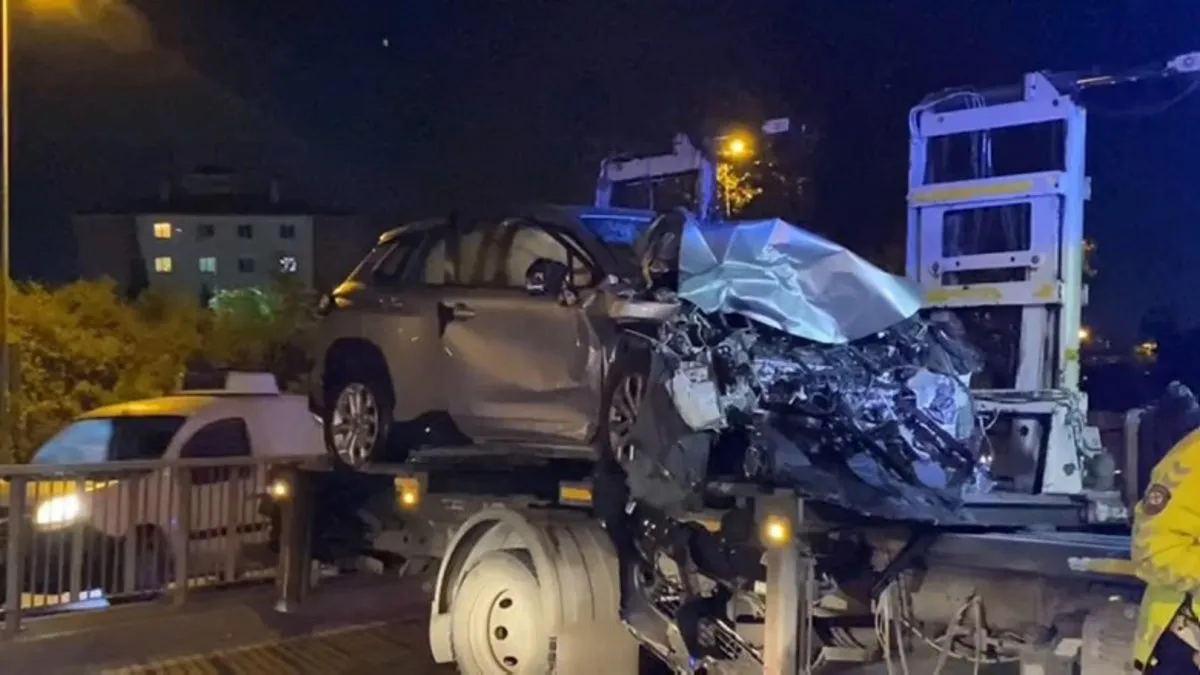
[[6, 426]]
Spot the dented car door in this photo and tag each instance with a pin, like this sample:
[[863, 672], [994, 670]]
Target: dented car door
[[526, 366]]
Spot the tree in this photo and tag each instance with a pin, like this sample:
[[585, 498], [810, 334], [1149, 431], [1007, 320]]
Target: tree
[[82, 346], [738, 188], [264, 329]]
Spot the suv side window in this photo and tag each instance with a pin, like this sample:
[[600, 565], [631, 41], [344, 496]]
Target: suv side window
[[227, 437], [519, 243], [390, 270], [437, 267], [473, 245], [429, 264]]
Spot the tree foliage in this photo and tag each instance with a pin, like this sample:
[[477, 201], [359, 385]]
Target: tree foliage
[[82, 345], [262, 329], [738, 188]]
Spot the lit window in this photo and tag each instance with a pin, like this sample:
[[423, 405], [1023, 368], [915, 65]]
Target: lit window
[[162, 230], [208, 264], [287, 264], [162, 265]]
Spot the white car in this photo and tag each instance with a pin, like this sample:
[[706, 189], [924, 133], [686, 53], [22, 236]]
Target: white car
[[85, 529]]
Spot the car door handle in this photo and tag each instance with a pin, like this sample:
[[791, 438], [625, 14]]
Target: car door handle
[[459, 311]]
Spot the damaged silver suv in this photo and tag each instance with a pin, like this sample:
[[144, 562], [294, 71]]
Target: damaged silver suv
[[683, 350], [482, 329]]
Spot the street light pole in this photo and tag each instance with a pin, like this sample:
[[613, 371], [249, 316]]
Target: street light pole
[[5, 228]]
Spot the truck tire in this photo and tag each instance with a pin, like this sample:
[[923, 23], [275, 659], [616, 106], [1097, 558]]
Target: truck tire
[[1108, 636], [357, 396], [520, 595], [497, 619]]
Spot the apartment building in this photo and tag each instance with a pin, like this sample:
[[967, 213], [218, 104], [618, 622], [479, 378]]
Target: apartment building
[[210, 232]]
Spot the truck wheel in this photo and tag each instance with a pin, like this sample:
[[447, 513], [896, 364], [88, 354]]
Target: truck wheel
[[496, 618], [358, 416], [1108, 636], [519, 596]]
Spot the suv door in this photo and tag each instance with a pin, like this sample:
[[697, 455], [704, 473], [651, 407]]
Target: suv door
[[525, 368], [400, 316]]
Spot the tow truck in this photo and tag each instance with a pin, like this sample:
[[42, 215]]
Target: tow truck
[[524, 578]]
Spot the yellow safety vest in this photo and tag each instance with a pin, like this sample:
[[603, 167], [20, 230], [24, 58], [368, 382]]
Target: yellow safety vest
[[1160, 606], [1166, 542]]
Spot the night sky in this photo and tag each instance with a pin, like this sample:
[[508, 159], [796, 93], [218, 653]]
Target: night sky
[[395, 108]]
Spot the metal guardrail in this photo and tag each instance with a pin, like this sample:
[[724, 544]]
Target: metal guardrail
[[75, 534]]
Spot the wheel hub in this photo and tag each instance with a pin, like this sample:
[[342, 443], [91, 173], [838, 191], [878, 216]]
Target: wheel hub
[[355, 424], [507, 639]]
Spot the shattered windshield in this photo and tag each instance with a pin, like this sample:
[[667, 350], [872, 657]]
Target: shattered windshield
[[94, 441]]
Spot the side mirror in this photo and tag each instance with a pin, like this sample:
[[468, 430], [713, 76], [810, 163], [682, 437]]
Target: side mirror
[[546, 277]]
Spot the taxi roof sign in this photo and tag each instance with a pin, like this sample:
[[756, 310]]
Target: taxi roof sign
[[230, 382]]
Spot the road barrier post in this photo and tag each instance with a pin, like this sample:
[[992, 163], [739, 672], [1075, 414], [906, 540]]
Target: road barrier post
[[14, 558], [182, 535]]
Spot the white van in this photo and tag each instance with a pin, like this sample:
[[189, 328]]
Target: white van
[[85, 529]]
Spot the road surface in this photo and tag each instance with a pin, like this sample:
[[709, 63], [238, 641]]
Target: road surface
[[349, 627]]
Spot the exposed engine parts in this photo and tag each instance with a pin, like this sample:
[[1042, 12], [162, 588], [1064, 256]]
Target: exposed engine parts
[[866, 410], [882, 426]]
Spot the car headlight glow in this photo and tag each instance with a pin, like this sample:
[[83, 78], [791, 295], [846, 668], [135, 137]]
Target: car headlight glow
[[59, 511]]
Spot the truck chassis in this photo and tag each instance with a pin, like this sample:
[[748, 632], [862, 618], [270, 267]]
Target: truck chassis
[[524, 577]]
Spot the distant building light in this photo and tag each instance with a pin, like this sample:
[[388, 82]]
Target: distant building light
[[162, 265], [162, 230], [288, 264], [208, 264], [1085, 334]]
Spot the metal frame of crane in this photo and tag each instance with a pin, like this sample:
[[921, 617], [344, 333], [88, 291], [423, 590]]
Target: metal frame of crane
[[1050, 292]]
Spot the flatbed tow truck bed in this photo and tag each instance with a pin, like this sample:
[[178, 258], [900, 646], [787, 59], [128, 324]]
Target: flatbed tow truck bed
[[451, 485]]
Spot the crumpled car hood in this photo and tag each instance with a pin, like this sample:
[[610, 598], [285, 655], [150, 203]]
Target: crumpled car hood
[[792, 362], [789, 279]]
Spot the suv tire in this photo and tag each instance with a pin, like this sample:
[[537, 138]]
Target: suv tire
[[628, 379], [357, 415]]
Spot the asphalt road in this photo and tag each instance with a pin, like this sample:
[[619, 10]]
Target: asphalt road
[[349, 627]]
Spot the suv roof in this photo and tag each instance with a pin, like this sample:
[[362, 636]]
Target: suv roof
[[551, 212]]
